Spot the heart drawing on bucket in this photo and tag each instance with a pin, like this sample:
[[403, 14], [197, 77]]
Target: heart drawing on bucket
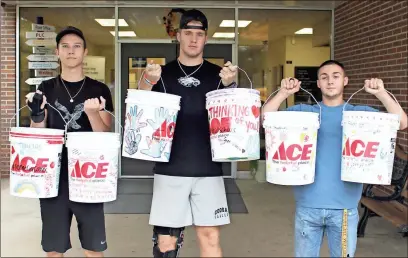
[[255, 111]]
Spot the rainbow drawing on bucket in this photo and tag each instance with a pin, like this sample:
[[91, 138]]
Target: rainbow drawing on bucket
[[234, 121], [368, 147], [290, 142], [28, 188], [35, 161], [150, 125]]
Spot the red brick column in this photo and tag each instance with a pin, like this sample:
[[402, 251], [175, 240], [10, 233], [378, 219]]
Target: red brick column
[[8, 82], [370, 39]]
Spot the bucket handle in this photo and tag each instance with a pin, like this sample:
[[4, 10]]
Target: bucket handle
[[66, 125], [320, 116], [400, 115], [161, 79], [27, 107], [219, 83]]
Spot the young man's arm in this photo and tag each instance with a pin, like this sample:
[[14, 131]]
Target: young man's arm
[[36, 101], [100, 120], [289, 86], [150, 77], [376, 87]]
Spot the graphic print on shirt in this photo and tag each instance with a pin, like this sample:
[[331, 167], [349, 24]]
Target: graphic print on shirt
[[78, 110], [189, 81]]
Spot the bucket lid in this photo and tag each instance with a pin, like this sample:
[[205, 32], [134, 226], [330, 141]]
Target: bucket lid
[[99, 136], [37, 131], [291, 119], [232, 91], [151, 95], [368, 117], [152, 98]]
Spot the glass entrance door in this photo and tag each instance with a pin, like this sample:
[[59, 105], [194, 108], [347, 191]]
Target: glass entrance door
[[134, 57]]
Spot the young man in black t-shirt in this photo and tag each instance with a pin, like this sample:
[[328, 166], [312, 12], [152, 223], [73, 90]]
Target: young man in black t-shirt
[[189, 189], [81, 99]]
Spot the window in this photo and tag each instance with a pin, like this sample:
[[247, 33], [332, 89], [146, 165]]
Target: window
[[162, 23]]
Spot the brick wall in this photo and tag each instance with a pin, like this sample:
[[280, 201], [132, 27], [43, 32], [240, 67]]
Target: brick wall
[[370, 39], [8, 81]]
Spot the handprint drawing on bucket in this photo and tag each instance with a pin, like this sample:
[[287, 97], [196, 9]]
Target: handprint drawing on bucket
[[163, 125], [133, 135]]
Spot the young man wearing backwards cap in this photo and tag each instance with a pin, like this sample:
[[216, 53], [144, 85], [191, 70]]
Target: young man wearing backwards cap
[[189, 189], [323, 206], [81, 99]]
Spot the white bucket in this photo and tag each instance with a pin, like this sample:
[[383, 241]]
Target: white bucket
[[369, 140], [93, 166], [368, 145], [150, 124], [234, 120], [290, 142], [35, 161]]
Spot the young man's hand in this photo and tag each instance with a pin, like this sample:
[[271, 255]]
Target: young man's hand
[[228, 73], [92, 106], [289, 86], [374, 86], [152, 73]]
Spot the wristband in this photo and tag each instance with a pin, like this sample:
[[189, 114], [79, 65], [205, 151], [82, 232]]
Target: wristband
[[38, 118], [148, 81], [35, 104], [232, 85]]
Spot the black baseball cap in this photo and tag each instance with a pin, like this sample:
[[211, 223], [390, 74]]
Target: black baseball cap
[[193, 15], [70, 30]]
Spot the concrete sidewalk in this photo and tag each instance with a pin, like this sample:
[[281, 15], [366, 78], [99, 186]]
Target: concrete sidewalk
[[265, 232]]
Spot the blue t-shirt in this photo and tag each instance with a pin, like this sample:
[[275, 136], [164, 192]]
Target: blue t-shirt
[[328, 190]]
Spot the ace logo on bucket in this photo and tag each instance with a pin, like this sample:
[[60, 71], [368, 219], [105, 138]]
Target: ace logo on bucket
[[90, 170], [359, 148]]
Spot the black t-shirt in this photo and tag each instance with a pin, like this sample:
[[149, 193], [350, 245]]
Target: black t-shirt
[[191, 149], [57, 96]]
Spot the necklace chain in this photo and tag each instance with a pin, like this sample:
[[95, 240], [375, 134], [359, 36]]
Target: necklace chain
[[192, 72], [72, 98]]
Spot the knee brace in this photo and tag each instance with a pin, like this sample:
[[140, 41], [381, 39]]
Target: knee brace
[[176, 232]]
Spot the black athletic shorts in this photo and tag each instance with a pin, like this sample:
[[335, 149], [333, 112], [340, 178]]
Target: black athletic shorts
[[56, 215]]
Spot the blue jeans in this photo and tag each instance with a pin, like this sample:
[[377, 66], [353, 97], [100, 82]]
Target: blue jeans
[[311, 225]]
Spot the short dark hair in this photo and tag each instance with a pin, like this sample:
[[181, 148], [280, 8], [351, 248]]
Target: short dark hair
[[70, 30], [331, 62]]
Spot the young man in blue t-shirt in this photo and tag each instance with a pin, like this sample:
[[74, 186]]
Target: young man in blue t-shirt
[[320, 206]]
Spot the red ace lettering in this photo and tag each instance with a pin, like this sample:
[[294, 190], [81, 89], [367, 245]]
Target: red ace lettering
[[165, 130], [29, 164], [220, 126], [293, 152], [358, 148], [90, 170]]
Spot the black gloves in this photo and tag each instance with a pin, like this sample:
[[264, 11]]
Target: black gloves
[[37, 114]]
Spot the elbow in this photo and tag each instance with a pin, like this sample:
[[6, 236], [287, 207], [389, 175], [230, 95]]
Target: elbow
[[404, 123]]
